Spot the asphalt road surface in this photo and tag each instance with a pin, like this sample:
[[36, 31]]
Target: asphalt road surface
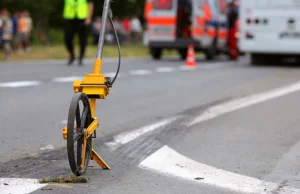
[[222, 127]]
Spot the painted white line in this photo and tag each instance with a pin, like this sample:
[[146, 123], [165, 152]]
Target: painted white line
[[19, 186], [233, 105], [165, 69], [216, 65], [140, 72], [19, 84], [169, 162], [113, 74], [67, 79], [126, 137], [186, 68]]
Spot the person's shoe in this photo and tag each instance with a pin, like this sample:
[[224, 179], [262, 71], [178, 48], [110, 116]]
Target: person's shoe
[[71, 60], [80, 63]]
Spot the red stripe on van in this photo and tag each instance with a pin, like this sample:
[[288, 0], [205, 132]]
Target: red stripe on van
[[200, 20], [211, 32], [198, 31], [223, 34], [162, 21]]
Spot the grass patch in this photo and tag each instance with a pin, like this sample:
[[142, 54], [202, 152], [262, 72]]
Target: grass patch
[[65, 179], [60, 52]]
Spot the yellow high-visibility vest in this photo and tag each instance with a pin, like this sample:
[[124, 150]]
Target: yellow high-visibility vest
[[76, 9]]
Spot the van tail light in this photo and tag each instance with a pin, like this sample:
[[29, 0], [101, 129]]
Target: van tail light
[[257, 21], [249, 35], [248, 21]]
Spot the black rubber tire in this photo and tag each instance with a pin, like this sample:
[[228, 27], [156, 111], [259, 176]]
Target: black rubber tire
[[183, 53], [265, 59], [83, 119], [156, 53], [256, 59], [210, 53]]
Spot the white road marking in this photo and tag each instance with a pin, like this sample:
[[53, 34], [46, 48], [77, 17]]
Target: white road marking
[[169, 162], [19, 84], [140, 72], [216, 65], [233, 105], [67, 79], [19, 186], [165, 69], [126, 137], [186, 68], [113, 74]]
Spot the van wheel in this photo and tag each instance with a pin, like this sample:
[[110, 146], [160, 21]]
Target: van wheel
[[156, 53], [265, 59], [256, 59], [210, 53], [183, 53]]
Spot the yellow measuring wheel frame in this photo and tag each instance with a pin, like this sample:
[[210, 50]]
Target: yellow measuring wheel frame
[[82, 123]]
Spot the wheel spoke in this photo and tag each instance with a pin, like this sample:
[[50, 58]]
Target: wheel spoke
[[78, 121], [83, 118], [79, 152], [77, 136]]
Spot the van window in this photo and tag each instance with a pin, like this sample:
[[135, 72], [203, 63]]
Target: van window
[[163, 4]]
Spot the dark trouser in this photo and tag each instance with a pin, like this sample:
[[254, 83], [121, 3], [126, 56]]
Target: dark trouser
[[71, 27]]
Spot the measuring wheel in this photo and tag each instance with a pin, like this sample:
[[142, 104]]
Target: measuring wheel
[[82, 123], [79, 148]]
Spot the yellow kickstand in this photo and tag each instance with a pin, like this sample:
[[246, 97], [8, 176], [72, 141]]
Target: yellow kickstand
[[98, 159]]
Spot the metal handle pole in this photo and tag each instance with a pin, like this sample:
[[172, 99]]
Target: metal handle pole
[[106, 8]]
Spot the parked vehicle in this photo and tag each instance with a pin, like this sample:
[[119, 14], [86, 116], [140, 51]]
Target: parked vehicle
[[269, 29], [176, 24]]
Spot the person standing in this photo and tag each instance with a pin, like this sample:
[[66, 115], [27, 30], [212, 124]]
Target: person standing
[[7, 34], [21, 33], [232, 39], [77, 15], [136, 27]]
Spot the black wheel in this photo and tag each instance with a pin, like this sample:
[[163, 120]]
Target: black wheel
[[156, 53], [183, 53], [210, 53], [257, 59], [79, 119], [265, 59]]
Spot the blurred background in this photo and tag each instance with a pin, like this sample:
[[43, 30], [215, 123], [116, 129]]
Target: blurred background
[[47, 25]]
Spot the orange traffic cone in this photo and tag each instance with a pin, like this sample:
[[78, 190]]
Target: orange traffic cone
[[190, 60]]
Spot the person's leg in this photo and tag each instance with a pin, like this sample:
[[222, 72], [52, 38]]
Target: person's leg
[[232, 45], [20, 42], [69, 32], [7, 48], [83, 33]]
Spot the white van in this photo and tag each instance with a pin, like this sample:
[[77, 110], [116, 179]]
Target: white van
[[269, 29]]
